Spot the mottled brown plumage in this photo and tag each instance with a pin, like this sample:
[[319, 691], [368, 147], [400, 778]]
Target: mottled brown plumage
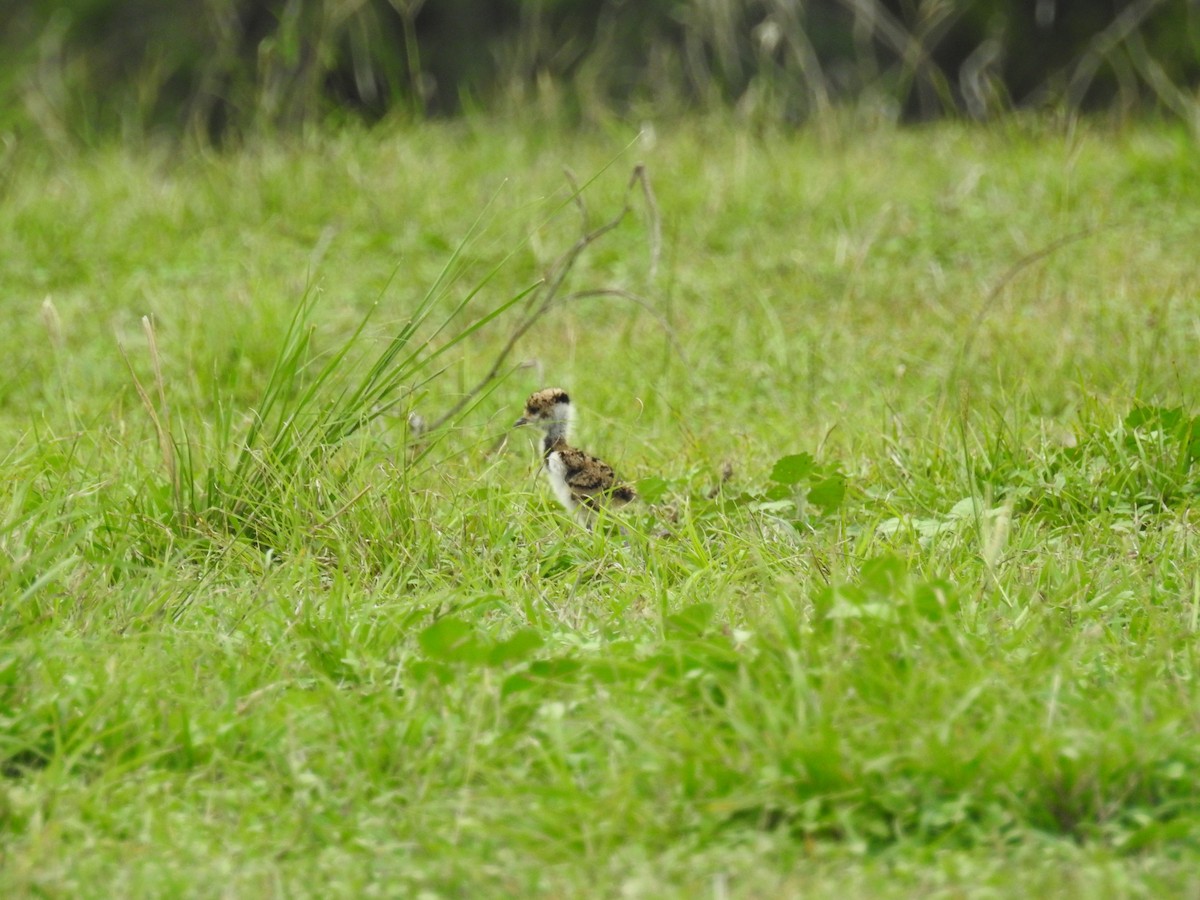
[[582, 483]]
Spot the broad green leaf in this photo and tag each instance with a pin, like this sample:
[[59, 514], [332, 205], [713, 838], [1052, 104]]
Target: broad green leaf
[[520, 645], [839, 601], [691, 620], [827, 495], [1154, 418], [426, 670], [561, 668], [779, 492], [616, 669], [931, 527], [517, 682], [1139, 416], [966, 508], [793, 469], [934, 599], [891, 526], [452, 640], [882, 574], [773, 506]]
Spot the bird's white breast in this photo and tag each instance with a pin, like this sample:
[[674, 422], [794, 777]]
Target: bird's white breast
[[556, 471]]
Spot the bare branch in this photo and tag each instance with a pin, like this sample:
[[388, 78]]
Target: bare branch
[[639, 174], [1009, 275], [546, 295], [577, 195], [632, 298]]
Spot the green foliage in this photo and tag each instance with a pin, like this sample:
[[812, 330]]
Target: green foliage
[[909, 605], [808, 484], [302, 420], [1141, 464], [793, 469]]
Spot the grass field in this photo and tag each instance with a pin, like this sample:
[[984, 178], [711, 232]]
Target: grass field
[[909, 608]]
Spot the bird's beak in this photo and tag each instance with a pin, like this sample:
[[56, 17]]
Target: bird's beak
[[521, 421]]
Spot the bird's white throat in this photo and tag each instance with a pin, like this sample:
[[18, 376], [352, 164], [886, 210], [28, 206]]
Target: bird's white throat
[[558, 425]]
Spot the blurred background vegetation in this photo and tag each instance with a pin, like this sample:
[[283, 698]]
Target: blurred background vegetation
[[219, 70]]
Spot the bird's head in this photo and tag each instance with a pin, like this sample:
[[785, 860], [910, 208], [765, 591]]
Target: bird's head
[[550, 408]]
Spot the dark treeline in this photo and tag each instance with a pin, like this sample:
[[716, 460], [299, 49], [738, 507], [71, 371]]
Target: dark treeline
[[222, 67]]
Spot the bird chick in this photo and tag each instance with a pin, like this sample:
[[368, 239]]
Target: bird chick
[[581, 483]]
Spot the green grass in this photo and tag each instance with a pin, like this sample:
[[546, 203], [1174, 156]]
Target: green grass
[[935, 633]]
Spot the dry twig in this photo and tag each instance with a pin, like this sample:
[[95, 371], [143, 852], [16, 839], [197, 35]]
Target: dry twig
[[546, 295]]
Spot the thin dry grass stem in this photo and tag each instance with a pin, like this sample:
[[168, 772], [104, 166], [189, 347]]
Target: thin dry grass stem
[[166, 443], [545, 295], [914, 48], [341, 510], [577, 196], [1102, 46], [786, 19], [409, 10], [54, 328], [1179, 101], [639, 173], [156, 361], [53, 323], [641, 301], [1007, 278], [983, 91], [320, 247]]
